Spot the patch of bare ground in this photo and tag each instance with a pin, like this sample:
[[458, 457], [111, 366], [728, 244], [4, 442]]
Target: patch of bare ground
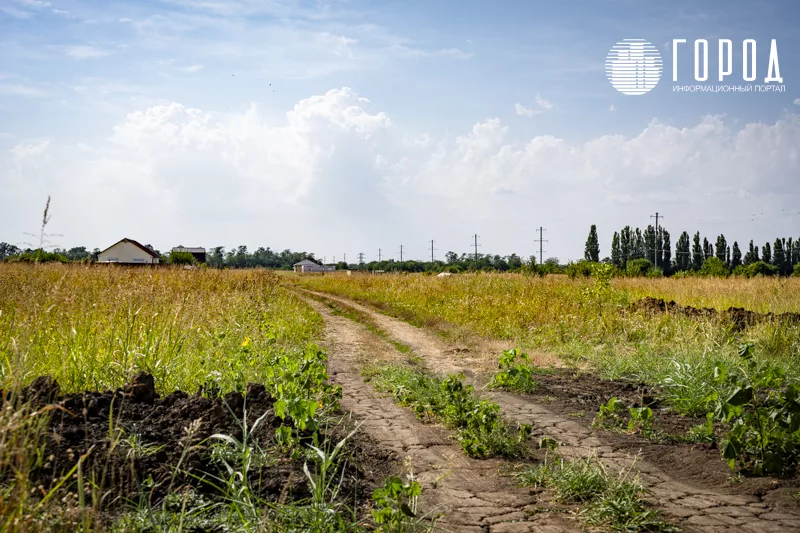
[[690, 483], [467, 495]]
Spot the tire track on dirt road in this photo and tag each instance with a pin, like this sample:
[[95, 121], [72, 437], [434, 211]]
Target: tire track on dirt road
[[693, 507], [469, 494]]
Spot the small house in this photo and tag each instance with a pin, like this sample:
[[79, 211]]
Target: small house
[[306, 266], [128, 252], [198, 253]]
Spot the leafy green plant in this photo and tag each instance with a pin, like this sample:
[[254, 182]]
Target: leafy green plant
[[396, 506], [614, 415], [479, 427], [516, 372], [763, 411]]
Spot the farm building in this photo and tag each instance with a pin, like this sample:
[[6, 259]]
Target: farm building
[[128, 252], [198, 253], [307, 265]]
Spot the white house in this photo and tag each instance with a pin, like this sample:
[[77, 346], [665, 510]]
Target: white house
[[310, 266], [128, 252]]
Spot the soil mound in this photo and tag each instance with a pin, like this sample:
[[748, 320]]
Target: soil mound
[[738, 317], [131, 436]]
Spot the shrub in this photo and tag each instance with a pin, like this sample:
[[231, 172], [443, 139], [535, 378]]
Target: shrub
[[796, 273], [38, 256], [760, 268], [181, 258], [582, 268], [655, 272], [638, 267], [763, 411], [714, 267], [513, 374]]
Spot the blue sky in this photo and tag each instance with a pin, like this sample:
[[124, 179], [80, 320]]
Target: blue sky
[[342, 127]]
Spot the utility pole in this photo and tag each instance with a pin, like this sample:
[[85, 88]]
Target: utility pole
[[345, 258], [432, 248], [476, 250], [401, 253], [541, 240], [657, 251], [379, 255]]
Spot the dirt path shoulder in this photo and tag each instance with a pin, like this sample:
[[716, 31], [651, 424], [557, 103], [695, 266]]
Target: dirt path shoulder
[[694, 505], [470, 494]]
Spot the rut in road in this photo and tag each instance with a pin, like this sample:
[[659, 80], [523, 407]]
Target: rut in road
[[469, 494], [692, 507]]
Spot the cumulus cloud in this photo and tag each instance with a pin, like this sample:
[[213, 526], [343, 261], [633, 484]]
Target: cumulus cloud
[[335, 175]]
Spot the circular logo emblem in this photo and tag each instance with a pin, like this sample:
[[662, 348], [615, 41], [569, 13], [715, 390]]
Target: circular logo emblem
[[633, 66]]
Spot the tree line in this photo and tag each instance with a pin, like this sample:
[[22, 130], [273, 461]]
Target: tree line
[[650, 250]]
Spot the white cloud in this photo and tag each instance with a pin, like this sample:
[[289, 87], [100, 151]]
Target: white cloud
[[612, 108], [797, 101], [191, 69], [38, 4], [542, 105], [334, 174], [85, 52]]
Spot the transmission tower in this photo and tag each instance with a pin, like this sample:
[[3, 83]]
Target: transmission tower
[[541, 240]]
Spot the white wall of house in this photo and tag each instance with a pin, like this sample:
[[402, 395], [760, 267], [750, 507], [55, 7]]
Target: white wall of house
[[125, 252]]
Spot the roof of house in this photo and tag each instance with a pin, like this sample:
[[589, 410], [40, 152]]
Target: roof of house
[[190, 249], [306, 262], [135, 243]]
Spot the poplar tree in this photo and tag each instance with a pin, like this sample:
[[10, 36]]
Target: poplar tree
[[707, 250], [592, 250], [766, 253], [778, 256], [666, 250], [616, 251], [720, 247], [736, 256], [697, 252], [683, 255]]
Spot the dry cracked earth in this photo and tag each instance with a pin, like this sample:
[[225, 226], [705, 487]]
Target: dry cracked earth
[[473, 495]]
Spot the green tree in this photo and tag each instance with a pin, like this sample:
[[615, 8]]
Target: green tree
[[697, 253], [626, 244], [616, 251], [592, 250], [766, 253], [736, 256], [752, 255], [708, 251], [720, 248], [715, 267], [666, 251], [778, 257], [683, 254], [650, 247], [638, 251]]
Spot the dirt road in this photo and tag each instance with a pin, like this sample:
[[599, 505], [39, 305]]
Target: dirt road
[[470, 491]]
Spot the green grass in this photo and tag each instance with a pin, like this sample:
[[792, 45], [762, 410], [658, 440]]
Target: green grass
[[610, 502], [479, 427], [93, 328], [588, 323]]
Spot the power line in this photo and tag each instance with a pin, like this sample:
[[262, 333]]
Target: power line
[[541, 240]]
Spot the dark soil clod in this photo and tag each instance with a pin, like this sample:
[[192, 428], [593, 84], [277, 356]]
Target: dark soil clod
[[738, 317]]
